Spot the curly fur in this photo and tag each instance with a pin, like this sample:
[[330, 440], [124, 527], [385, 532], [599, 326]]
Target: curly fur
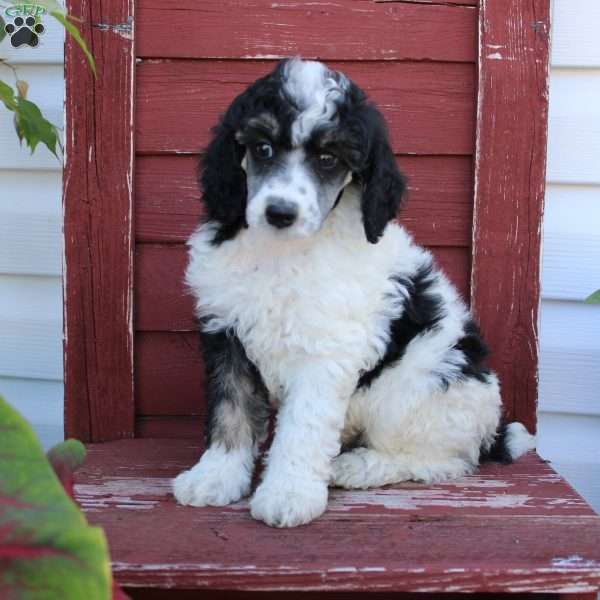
[[349, 329]]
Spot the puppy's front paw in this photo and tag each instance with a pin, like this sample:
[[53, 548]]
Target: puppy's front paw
[[196, 488], [288, 503], [217, 480]]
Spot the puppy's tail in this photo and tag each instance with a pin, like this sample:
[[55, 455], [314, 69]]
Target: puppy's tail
[[512, 441]]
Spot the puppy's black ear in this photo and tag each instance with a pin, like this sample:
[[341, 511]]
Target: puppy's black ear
[[223, 180], [382, 183]]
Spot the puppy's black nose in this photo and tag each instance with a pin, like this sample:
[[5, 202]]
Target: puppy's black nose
[[281, 214]]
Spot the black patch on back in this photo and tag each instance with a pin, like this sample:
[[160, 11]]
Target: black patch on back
[[422, 310], [475, 351], [498, 451]]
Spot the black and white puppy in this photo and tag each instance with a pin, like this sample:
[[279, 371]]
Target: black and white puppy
[[314, 300]]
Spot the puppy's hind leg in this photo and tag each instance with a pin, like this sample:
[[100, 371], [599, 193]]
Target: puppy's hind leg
[[364, 468], [237, 419]]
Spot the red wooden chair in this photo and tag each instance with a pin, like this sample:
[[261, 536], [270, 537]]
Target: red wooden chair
[[464, 87]]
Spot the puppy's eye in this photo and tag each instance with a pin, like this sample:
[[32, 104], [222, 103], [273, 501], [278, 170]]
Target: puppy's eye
[[263, 151], [327, 161]]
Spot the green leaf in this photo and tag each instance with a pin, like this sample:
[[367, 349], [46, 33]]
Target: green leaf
[[49, 552], [65, 458], [33, 127], [64, 19], [593, 298], [7, 95], [29, 122]]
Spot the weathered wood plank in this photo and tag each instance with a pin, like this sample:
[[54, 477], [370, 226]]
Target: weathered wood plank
[[162, 304], [509, 192], [98, 230], [504, 529], [351, 29], [430, 107], [438, 209], [526, 488], [169, 375], [175, 428], [438, 2], [169, 594]]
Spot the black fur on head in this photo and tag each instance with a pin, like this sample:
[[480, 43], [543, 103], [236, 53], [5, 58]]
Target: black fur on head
[[359, 134], [222, 178], [383, 185], [364, 129]]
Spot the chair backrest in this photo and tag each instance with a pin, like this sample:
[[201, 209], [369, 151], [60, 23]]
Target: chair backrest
[[463, 85]]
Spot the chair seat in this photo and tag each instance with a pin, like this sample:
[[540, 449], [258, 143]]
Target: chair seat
[[516, 528]]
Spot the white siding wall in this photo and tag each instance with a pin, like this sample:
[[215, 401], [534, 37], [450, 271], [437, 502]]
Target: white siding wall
[[569, 428], [30, 251], [31, 369]]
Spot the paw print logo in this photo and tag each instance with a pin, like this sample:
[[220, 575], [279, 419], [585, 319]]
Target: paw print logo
[[24, 31]]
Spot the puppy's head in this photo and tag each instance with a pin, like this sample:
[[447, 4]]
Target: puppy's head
[[288, 146]]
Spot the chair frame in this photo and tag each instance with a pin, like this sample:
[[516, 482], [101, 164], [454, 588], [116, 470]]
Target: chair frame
[[509, 171]]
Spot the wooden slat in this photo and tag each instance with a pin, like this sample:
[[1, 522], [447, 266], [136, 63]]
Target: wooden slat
[[162, 304], [430, 107], [175, 428], [456, 264], [438, 2], [98, 203], [165, 594], [169, 375], [509, 192], [516, 528], [438, 210], [351, 29], [527, 487]]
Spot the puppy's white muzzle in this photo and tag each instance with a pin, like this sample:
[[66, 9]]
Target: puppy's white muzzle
[[288, 202]]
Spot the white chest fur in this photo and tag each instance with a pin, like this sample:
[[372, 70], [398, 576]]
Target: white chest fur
[[329, 295]]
